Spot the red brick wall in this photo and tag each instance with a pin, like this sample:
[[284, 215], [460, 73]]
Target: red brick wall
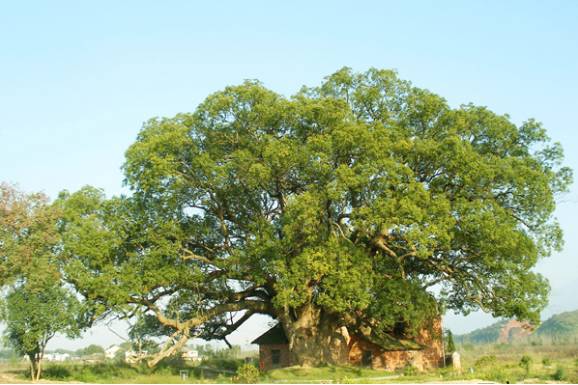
[[427, 358], [265, 356]]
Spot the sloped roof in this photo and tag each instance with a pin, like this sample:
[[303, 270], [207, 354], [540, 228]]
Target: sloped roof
[[390, 343], [274, 336]]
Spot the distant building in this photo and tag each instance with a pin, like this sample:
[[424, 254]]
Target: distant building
[[190, 355], [110, 353], [56, 357], [425, 351]]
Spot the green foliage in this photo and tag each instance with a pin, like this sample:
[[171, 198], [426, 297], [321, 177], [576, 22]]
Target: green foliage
[[103, 372], [486, 335], [409, 370], [247, 374], [353, 199], [89, 350], [485, 361], [33, 315], [561, 326], [558, 328], [37, 304], [546, 361], [141, 331], [526, 363], [450, 345], [559, 374]]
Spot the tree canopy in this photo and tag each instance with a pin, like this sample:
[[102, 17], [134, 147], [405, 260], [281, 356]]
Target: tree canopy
[[33, 315], [364, 204], [37, 304]]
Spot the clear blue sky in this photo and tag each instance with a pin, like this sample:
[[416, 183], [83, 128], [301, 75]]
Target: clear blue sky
[[77, 79]]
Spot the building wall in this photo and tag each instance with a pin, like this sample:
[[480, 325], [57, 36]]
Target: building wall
[[266, 360], [427, 358]]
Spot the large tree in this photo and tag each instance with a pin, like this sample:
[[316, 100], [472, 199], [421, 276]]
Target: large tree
[[365, 205]]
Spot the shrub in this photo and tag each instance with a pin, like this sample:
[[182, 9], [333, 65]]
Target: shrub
[[56, 372], [525, 363], [223, 364], [499, 376], [559, 374], [546, 361], [485, 361], [409, 370], [246, 374], [172, 363]]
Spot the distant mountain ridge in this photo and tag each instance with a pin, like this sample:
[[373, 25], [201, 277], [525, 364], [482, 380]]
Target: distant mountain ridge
[[559, 326]]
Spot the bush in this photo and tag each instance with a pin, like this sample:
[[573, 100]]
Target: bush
[[409, 370], [546, 361], [499, 376], [559, 374], [172, 363], [223, 364], [525, 363], [90, 373], [246, 374], [56, 372], [485, 361], [90, 350]]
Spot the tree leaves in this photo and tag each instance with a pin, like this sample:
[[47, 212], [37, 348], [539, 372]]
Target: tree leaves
[[366, 198]]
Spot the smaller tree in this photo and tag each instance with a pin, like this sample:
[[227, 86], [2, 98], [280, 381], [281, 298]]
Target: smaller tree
[[450, 345], [90, 350], [525, 363], [33, 314]]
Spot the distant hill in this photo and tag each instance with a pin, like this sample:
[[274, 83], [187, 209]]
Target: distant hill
[[561, 325], [487, 335], [557, 327]]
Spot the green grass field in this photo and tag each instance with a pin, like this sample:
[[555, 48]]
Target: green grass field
[[492, 363]]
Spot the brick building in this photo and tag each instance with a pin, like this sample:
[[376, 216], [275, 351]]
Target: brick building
[[273, 349], [424, 351]]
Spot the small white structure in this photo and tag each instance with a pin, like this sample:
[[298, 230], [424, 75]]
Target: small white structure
[[56, 357], [110, 353], [190, 355], [456, 361]]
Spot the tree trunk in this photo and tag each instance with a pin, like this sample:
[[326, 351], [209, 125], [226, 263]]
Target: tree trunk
[[35, 367], [38, 369], [32, 359], [315, 338], [169, 349]]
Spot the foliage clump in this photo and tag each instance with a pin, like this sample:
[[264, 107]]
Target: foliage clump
[[559, 374], [246, 374], [340, 207], [485, 361], [526, 363]]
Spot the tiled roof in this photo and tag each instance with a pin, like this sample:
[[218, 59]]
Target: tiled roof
[[274, 336]]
